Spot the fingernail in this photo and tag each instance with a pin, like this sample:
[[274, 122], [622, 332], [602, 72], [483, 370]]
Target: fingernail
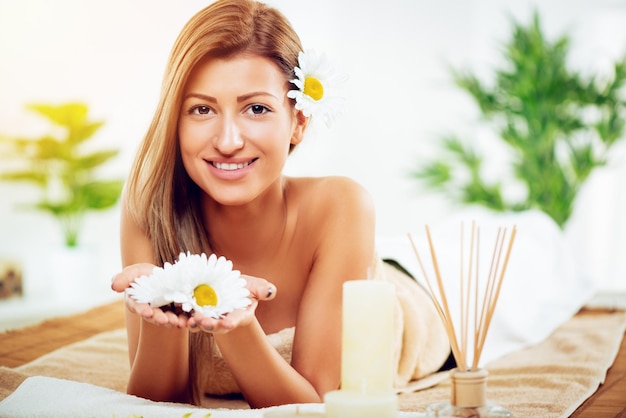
[[270, 291]]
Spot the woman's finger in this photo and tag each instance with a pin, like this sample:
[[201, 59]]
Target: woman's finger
[[260, 289], [122, 280]]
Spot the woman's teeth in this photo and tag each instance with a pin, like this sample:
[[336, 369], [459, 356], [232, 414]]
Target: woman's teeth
[[230, 166]]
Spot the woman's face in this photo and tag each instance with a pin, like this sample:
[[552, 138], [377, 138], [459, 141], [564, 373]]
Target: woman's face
[[235, 127]]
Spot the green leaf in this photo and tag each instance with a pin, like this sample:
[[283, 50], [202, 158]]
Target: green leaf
[[465, 154], [27, 176], [100, 195], [478, 192], [68, 115], [436, 174], [80, 133], [95, 159], [49, 148]]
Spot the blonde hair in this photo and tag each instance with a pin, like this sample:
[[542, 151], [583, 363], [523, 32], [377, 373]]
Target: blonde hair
[[161, 197]]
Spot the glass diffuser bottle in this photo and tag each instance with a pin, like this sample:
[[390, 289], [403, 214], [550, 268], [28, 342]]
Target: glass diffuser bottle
[[469, 398]]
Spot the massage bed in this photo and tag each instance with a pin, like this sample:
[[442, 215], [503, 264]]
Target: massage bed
[[578, 371]]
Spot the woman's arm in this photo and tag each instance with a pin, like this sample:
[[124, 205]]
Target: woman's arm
[[346, 252], [157, 341]]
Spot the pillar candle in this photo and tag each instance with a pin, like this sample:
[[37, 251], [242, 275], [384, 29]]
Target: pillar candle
[[367, 368], [367, 336]]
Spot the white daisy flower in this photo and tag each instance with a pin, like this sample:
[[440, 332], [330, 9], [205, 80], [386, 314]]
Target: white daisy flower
[[196, 283], [317, 94]]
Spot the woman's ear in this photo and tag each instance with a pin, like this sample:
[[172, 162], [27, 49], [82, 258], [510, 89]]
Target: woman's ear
[[298, 132]]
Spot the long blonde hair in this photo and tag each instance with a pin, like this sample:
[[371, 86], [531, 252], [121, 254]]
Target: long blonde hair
[[161, 197]]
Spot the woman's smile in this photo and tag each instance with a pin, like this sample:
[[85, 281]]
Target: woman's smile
[[231, 170], [231, 166]]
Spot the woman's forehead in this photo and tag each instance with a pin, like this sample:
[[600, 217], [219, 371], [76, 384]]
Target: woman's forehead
[[238, 70]]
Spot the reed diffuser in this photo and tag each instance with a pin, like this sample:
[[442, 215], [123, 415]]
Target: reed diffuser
[[469, 381]]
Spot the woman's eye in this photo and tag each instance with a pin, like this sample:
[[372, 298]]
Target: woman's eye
[[258, 109], [200, 110]]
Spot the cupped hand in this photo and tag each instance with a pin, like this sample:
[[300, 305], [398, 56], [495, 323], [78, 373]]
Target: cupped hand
[[157, 316], [260, 290]]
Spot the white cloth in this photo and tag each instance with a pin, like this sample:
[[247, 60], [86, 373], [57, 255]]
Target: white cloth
[[39, 397], [542, 287]]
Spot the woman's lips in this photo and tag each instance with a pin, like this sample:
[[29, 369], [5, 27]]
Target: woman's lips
[[231, 170]]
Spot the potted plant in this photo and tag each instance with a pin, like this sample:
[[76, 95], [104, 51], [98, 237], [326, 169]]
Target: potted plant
[[62, 167], [556, 125]]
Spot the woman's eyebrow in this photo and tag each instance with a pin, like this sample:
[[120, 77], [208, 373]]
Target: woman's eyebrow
[[241, 98], [200, 96], [247, 96]]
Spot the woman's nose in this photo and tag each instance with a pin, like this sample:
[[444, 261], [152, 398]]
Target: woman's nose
[[228, 139]]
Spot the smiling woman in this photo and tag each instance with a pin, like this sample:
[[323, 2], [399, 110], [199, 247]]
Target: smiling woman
[[208, 178], [235, 110]]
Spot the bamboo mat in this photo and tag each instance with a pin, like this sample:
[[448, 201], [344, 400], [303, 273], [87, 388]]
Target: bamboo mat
[[26, 344]]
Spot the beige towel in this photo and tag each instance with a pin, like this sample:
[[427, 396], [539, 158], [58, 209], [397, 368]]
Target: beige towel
[[420, 339], [101, 360], [422, 345]]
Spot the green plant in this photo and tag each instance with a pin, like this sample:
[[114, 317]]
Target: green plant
[[62, 167], [556, 124]]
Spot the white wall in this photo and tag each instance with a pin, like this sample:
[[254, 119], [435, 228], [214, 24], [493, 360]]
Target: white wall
[[400, 98]]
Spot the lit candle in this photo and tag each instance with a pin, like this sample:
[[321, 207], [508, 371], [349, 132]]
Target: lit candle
[[367, 353]]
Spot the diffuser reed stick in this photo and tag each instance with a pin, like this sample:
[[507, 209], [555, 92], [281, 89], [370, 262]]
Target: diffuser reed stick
[[479, 317]]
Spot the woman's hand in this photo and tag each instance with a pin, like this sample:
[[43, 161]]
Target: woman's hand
[[156, 316], [260, 289]]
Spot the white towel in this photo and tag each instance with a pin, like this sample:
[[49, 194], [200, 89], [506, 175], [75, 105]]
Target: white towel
[[39, 397]]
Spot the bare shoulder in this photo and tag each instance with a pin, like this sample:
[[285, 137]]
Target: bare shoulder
[[333, 194], [329, 206]]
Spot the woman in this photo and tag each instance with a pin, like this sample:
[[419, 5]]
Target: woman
[[208, 179]]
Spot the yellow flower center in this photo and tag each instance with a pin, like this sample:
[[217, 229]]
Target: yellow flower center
[[313, 88], [205, 295]]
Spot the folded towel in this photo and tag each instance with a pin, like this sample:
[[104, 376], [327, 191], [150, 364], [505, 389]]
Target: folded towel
[[50, 397], [422, 345]]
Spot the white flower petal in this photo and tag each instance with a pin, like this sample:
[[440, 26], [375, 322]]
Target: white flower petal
[[312, 64], [175, 283]]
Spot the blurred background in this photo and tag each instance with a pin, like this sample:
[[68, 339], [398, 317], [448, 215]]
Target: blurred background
[[401, 100]]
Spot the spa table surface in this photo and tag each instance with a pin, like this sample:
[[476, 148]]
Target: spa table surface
[[21, 346]]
